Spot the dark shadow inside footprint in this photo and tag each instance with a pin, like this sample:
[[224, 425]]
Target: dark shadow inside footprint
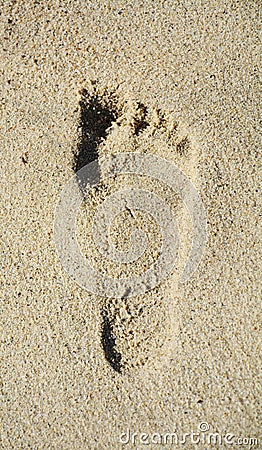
[[183, 147], [141, 123], [96, 116], [109, 343]]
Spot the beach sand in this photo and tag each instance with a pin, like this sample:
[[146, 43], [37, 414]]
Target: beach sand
[[178, 80]]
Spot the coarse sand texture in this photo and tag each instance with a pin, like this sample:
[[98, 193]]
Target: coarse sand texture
[[130, 224]]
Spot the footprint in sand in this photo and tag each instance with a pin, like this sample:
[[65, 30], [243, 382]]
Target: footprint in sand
[[132, 227]]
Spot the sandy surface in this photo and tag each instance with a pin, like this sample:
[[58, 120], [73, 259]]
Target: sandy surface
[[77, 369]]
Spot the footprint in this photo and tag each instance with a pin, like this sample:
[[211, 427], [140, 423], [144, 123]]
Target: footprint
[[138, 330]]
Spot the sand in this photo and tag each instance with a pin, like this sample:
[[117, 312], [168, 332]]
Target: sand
[[91, 370]]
